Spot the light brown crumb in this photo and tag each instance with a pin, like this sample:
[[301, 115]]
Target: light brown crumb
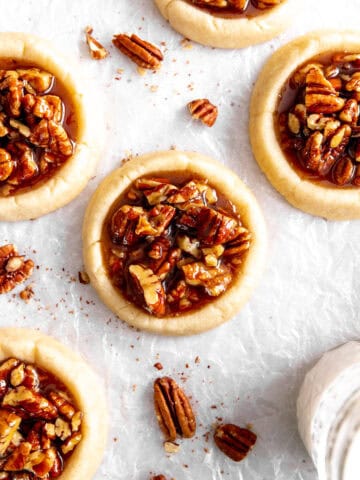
[[171, 447], [27, 294], [185, 43], [141, 71]]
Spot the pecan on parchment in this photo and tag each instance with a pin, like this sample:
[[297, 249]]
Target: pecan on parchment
[[97, 51], [234, 441], [202, 109], [13, 268], [143, 53], [173, 409]]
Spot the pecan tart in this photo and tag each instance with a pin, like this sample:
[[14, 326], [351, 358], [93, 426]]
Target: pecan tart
[[169, 250], [48, 141], [304, 123], [52, 411], [228, 23]]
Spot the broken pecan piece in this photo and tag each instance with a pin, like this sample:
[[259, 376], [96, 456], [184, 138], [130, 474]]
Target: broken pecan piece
[[13, 268], [150, 288], [234, 441], [143, 53], [97, 51], [202, 109], [173, 409], [9, 423]]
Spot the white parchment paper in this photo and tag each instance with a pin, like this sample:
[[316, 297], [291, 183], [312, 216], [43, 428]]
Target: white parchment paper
[[251, 368]]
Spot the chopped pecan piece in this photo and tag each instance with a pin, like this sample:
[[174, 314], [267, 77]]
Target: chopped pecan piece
[[150, 288], [173, 409], [343, 171], [62, 404], [33, 404], [320, 95], [17, 460], [13, 268], [143, 53], [49, 107], [41, 462], [215, 280], [263, 4], [69, 444], [234, 441], [202, 109], [97, 51], [39, 80], [6, 165], [9, 423], [158, 477]]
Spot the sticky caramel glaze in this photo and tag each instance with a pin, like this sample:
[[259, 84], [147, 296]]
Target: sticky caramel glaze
[[289, 97], [178, 179], [70, 123]]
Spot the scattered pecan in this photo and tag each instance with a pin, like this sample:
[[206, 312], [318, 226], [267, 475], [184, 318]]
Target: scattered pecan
[[143, 53], [234, 441], [202, 109], [97, 51], [173, 409], [13, 268]]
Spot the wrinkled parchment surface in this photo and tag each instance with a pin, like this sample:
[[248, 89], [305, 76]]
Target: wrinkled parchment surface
[[251, 368]]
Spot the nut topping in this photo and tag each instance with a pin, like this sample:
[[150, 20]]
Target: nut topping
[[176, 254], [319, 131], [203, 110], [234, 441], [173, 410], [13, 268], [143, 53], [31, 126], [39, 425]]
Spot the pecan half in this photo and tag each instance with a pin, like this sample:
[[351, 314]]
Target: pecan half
[[202, 109], [143, 53], [173, 409], [13, 268], [97, 51], [234, 441]]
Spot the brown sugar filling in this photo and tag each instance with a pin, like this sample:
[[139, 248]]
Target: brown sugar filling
[[317, 120], [235, 8], [38, 126], [173, 244], [40, 425]]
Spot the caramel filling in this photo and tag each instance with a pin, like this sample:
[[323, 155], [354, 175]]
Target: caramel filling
[[318, 119], [37, 127], [235, 8], [39, 423], [173, 244]]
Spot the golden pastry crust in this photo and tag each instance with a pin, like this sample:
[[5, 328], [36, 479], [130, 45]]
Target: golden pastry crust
[[212, 314], [73, 176], [202, 27], [327, 201], [47, 353]]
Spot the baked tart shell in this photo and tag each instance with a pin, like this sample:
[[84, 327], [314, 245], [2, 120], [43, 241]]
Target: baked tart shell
[[324, 200], [72, 177], [47, 353], [221, 309], [215, 31]]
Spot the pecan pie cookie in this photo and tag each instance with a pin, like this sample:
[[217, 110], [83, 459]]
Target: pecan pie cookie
[[304, 123], [228, 23], [174, 242], [52, 411], [48, 140]]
